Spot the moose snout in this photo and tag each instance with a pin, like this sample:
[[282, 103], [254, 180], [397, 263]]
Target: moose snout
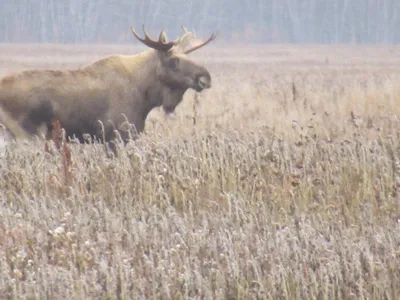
[[203, 82]]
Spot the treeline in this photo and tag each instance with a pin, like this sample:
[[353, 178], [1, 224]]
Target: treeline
[[256, 21]]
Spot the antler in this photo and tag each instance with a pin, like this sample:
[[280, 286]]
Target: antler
[[161, 44], [185, 31], [213, 36]]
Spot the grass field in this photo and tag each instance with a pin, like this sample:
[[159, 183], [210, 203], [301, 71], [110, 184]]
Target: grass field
[[280, 182]]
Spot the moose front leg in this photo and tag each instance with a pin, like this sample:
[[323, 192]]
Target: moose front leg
[[117, 139], [130, 131]]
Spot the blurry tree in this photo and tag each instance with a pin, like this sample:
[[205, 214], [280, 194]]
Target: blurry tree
[[256, 21]]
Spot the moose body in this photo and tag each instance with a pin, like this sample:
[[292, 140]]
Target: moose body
[[114, 90]]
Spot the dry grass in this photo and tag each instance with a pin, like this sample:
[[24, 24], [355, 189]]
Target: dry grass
[[281, 182]]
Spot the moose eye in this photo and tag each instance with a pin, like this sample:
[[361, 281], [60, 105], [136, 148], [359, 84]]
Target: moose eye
[[173, 63]]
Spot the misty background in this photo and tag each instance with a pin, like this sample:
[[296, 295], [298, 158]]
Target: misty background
[[250, 21]]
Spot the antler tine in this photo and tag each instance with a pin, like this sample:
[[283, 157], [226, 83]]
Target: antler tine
[[213, 36], [162, 37], [136, 35], [148, 41], [186, 33], [146, 35]]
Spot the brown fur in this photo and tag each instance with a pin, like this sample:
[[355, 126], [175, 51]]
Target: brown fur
[[102, 91]]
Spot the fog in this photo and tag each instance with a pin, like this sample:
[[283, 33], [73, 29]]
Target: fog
[[251, 21]]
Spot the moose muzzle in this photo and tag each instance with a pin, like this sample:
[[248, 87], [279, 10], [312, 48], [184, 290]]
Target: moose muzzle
[[203, 82]]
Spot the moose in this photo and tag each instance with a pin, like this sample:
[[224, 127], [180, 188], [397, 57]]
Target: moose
[[113, 94]]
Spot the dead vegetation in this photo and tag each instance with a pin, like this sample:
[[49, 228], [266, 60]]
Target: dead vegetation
[[278, 183]]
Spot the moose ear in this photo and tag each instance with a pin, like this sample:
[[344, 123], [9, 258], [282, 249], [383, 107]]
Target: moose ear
[[173, 63]]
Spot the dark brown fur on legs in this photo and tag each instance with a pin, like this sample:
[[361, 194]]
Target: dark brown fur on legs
[[36, 116]]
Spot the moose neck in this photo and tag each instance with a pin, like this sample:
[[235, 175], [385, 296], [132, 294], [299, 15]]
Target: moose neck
[[147, 88]]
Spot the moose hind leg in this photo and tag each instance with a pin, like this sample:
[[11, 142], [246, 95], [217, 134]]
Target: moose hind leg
[[37, 116]]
